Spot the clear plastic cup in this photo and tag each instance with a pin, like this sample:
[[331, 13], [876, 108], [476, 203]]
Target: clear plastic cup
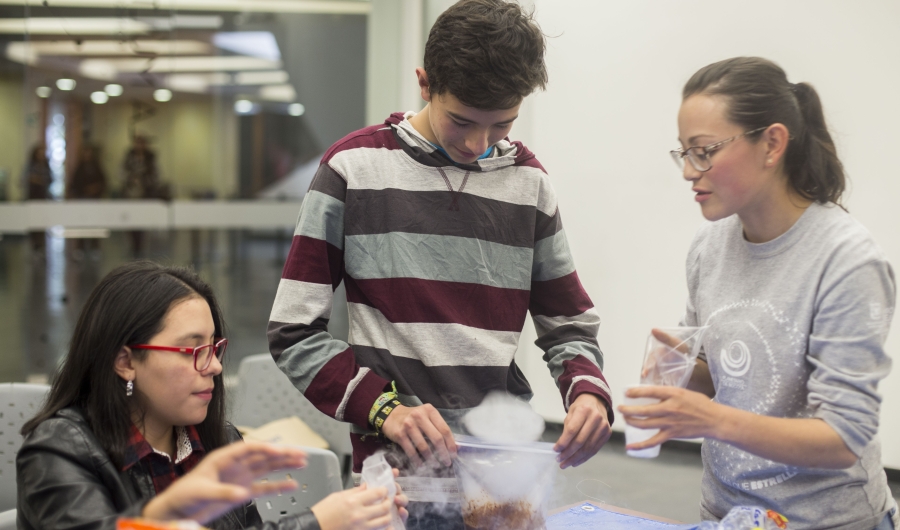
[[635, 434]]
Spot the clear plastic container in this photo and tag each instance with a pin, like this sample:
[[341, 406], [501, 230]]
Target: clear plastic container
[[504, 486], [669, 360]]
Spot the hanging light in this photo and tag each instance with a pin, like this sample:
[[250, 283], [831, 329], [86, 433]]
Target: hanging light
[[243, 106], [296, 109], [113, 90], [43, 91], [65, 84], [162, 95], [99, 97]]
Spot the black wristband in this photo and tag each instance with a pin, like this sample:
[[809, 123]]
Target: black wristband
[[383, 413]]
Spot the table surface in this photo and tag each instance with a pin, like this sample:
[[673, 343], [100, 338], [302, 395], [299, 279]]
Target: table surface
[[592, 514]]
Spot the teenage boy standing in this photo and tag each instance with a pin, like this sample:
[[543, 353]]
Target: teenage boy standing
[[445, 234]]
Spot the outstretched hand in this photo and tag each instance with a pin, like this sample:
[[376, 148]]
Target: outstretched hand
[[225, 478]]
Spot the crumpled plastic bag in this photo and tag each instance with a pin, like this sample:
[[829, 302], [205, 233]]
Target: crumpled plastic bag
[[377, 473], [671, 355], [748, 518]]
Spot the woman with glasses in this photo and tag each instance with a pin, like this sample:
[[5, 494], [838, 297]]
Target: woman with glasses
[[134, 425], [798, 298]]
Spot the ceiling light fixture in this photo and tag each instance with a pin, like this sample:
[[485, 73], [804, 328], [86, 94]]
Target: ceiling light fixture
[[30, 51], [274, 77], [227, 63], [65, 84], [333, 7], [197, 83], [285, 93], [99, 97], [162, 95], [296, 109], [243, 106], [72, 25], [101, 69], [43, 91], [260, 44], [183, 22], [113, 90]]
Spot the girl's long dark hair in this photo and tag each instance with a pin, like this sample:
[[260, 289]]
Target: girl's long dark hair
[[759, 95], [128, 306]]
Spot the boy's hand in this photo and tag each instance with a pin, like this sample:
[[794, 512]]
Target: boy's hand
[[422, 433], [585, 430]]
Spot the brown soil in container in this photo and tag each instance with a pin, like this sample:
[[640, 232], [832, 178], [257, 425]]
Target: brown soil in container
[[503, 516]]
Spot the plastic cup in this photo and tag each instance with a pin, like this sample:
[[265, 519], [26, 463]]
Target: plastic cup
[[635, 434]]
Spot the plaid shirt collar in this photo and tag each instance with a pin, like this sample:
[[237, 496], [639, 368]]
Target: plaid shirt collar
[[189, 452]]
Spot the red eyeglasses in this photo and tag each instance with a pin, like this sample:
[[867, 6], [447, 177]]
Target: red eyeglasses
[[202, 354]]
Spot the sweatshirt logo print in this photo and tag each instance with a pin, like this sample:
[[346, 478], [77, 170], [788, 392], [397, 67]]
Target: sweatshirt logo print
[[736, 359]]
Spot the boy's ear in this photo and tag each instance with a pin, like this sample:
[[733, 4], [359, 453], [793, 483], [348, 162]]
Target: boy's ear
[[124, 364], [424, 85]]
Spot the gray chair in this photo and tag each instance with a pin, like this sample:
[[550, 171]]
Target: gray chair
[[19, 402], [8, 520], [320, 478], [265, 394]]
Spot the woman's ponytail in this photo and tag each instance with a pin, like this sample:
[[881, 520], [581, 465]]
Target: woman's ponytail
[[813, 166]]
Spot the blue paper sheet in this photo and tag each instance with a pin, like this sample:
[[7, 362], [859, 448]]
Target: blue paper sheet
[[588, 516]]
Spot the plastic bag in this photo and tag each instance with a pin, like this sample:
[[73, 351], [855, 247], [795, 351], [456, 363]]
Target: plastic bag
[[377, 473], [670, 362], [748, 518], [504, 486]]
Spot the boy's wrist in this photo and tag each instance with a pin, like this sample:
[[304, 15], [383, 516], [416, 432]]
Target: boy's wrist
[[383, 399], [382, 415]]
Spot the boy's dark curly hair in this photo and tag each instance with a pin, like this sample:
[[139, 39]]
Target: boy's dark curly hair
[[487, 53]]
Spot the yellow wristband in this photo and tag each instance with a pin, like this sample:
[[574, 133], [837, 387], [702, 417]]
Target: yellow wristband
[[382, 400]]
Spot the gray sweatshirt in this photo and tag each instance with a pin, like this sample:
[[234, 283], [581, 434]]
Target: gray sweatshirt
[[798, 326]]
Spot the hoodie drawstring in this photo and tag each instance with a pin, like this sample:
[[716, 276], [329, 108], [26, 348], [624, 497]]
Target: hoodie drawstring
[[454, 204]]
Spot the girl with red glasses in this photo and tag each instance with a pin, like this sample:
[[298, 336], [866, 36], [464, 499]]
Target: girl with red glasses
[[134, 424]]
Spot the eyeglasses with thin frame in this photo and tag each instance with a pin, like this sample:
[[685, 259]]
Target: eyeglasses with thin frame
[[202, 354], [699, 155]]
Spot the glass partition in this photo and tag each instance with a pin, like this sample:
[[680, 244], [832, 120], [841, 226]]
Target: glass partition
[[161, 129]]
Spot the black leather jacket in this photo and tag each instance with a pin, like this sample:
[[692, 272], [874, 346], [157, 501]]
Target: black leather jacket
[[66, 480]]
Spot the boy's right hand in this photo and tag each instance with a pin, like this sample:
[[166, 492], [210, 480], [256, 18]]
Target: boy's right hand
[[422, 433]]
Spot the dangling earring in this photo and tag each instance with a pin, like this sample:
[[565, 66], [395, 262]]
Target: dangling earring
[[129, 388]]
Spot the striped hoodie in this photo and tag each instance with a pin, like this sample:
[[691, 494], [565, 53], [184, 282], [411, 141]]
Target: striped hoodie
[[441, 263]]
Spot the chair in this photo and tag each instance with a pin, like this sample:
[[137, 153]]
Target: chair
[[265, 394], [320, 478], [8, 520], [19, 402]]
